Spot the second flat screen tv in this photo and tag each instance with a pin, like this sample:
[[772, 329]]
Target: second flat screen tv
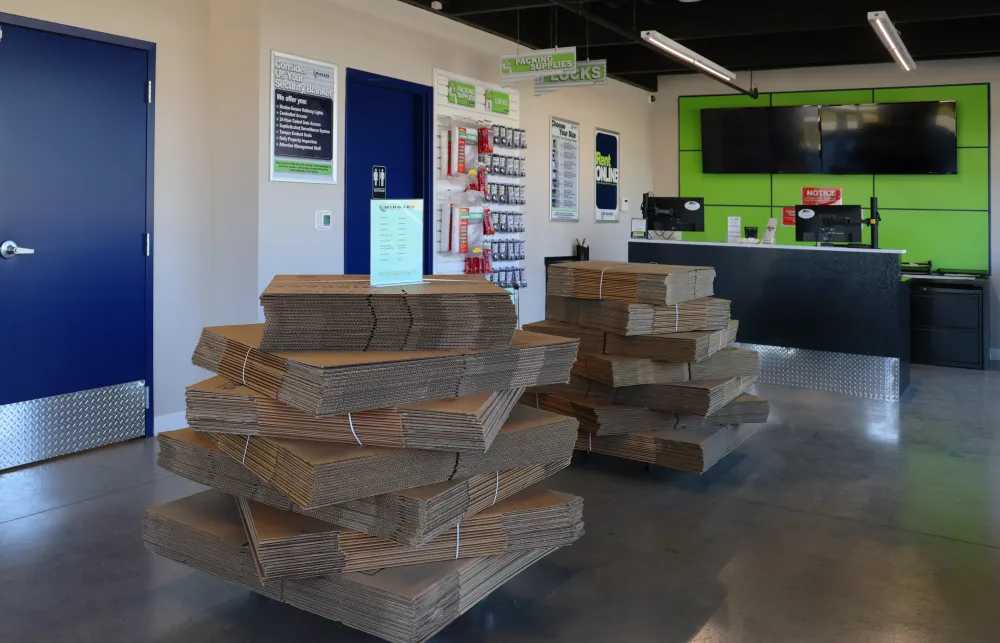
[[890, 138], [761, 140]]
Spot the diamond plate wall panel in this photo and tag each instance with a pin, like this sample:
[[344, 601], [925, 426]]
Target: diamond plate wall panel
[[53, 426], [857, 375]]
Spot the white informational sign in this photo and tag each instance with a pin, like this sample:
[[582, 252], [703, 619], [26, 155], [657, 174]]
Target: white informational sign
[[397, 241], [303, 120], [772, 231], [564, 160], [734, 231], [638, 228]]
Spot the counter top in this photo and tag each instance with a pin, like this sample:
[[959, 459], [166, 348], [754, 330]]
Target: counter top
[[768, 246]]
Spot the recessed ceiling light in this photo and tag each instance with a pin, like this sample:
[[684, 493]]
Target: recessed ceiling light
[[688, 0]]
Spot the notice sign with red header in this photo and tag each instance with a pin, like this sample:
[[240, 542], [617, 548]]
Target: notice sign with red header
[[788, 216], [822, 196]]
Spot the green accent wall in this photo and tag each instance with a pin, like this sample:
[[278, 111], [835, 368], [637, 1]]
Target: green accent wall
[[942, 218]]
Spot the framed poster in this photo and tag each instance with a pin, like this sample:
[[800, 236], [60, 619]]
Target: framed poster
[[606, 175], [564, 169], [303, 120]]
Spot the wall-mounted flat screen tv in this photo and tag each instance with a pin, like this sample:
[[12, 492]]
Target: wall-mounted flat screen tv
[[735, 141], [761, 140], [890, 138]]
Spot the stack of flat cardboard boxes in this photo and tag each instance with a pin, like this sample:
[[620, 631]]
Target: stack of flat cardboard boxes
[[657, 379], [389, 489]]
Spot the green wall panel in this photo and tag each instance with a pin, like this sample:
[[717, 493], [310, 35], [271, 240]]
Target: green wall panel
[[950, 239], [722, 189], [971, 103], [967, 190], [689, 114], [717, 222], [788, 187], [838, 97]]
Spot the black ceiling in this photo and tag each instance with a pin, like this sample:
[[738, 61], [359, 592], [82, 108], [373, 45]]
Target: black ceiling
[[738, 34]]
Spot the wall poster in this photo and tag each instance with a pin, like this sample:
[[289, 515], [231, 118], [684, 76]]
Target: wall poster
[[606, 174], [303, 120], [564, 164]]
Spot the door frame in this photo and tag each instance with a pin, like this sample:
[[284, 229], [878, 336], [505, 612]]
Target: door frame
[[150, 49], [425, 95]]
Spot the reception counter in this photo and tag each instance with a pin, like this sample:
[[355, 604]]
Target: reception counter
[[828, 318]]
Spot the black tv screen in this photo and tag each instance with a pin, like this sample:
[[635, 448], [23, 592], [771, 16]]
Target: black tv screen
[[761, 140], [890, 138], [735, 141], [795, 140]]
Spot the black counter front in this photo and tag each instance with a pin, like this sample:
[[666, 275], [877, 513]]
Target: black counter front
[[850, 302]]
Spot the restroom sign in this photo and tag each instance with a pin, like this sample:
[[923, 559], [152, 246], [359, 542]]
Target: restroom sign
[[822, 196], [378, 182]]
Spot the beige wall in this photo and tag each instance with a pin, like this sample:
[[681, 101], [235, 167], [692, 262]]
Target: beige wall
[[985, 70], [222, 229], [390, 38]]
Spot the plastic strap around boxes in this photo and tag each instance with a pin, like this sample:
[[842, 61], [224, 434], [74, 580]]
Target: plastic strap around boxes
[[245, 366], [496, 492], [677, 317], [351, 423], [245, 449], [600, 287], [590, 442], [458, 539]]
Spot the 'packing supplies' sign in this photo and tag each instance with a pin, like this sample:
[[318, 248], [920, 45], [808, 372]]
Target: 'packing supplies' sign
[[607, 175]]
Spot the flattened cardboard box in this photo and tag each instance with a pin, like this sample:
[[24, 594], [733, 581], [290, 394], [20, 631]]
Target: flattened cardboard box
[[630, 282], [618, 371], [288, 545], [314, 474], [623, 318], [468, 423], [409, 517], [328, 383], [677, 347], [401, 604], [345, 313], [694, 449]]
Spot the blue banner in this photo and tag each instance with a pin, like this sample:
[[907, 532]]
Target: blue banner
[[607, 175]]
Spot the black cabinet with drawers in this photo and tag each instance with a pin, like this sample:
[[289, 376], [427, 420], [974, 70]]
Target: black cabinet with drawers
[[950, 322]]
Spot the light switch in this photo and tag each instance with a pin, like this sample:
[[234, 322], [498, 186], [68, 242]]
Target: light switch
[[324, 220], [624, 205]]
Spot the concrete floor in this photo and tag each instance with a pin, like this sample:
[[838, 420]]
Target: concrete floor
[[844, 520]]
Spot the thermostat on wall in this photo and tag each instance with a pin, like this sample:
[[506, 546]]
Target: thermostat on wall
[[324, 219]]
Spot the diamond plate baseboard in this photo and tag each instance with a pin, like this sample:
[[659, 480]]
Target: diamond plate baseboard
[[53, 426], [858, 375]]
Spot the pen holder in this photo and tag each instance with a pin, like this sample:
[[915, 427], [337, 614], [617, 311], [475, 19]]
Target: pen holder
[[582, 253]]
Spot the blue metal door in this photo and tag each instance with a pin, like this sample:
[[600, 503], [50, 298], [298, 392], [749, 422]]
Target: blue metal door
[[387, 123], [73, 188]]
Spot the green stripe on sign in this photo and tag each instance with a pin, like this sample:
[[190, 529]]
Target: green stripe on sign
[[300, 167]]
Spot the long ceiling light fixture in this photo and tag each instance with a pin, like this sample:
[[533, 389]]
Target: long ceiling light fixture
[[889, 36], [692, 59]]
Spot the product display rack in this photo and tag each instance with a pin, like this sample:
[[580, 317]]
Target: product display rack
[[491, 208]]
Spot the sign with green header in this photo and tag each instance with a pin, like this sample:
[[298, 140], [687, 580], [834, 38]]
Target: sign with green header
[[541, 62], [591, 72], [461, 93], [497, 102]]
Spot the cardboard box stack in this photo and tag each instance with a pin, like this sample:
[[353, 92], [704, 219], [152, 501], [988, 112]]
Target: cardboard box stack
[[657, 379], [385, 484]]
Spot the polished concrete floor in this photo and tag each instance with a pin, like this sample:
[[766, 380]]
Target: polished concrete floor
[[844, 520]]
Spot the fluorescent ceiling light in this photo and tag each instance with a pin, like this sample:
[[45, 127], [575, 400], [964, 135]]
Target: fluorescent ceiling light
[[889, 36], [682, 53]]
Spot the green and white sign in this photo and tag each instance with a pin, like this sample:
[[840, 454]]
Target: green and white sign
[[542, 62], [591, 72], [461, 93], [497, 102]]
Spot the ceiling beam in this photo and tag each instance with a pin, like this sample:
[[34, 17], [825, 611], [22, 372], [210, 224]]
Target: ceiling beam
[[479, 7]]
